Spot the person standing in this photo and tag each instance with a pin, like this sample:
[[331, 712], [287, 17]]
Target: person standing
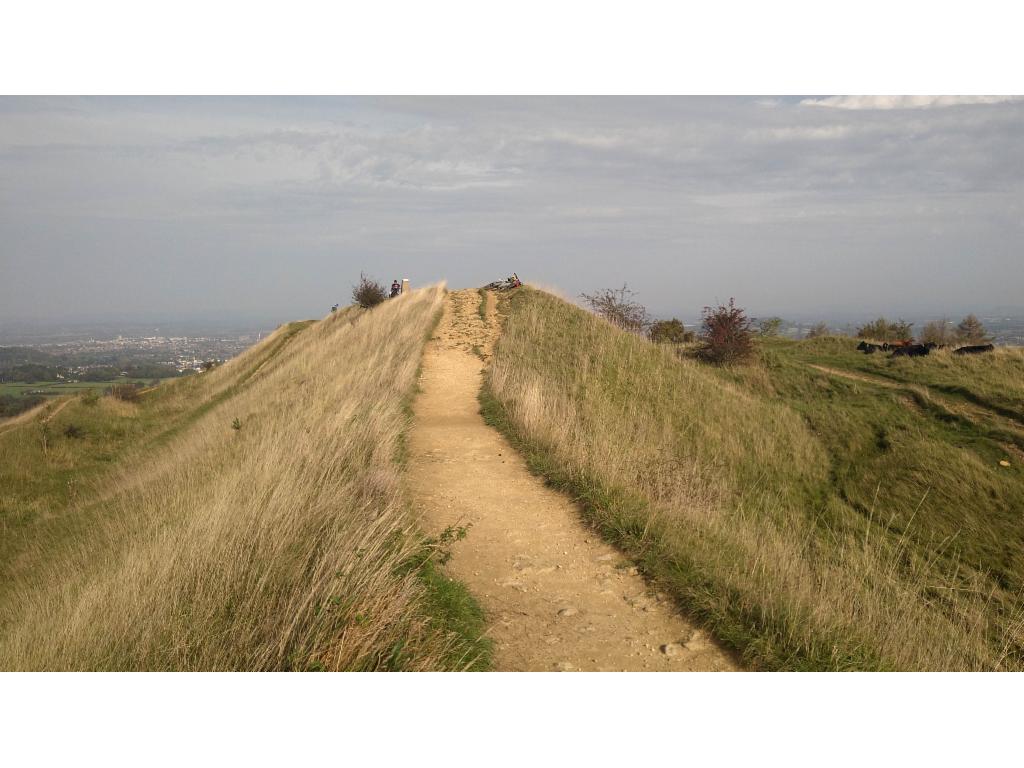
[[395, 288]]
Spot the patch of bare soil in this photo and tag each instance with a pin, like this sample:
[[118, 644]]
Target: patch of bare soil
[[556, 596]]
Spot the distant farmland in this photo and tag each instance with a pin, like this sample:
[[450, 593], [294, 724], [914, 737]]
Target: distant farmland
[[57, 388]]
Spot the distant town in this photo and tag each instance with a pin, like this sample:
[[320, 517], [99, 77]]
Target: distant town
[[182, 353], [60, 362]]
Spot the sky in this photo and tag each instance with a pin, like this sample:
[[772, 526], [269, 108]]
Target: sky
[[268, 209]]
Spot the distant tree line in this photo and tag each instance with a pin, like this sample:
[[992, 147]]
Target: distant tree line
[[726, 334], [970, 330], [29, 372], [12, 405]]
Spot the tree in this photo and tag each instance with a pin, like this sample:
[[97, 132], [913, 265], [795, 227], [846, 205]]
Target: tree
[[727, 334], [669, 332], [884, 330], [817, 331], [770, 326], [971, 329], [937, 332], [618, 307], [368, 292]]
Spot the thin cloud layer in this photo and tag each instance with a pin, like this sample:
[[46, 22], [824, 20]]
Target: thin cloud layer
[[903, 102], [271, 206]]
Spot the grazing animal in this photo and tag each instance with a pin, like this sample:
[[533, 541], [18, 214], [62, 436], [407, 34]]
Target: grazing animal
[[911, 350], [974, 350], [868, 348]]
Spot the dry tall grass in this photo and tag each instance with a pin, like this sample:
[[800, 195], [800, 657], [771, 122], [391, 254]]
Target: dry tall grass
[[706, 484], [284, 544]]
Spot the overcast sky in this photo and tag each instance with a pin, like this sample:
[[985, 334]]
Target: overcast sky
[[269, 208]]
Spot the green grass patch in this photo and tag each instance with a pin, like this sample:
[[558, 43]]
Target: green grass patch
[[454, 610]]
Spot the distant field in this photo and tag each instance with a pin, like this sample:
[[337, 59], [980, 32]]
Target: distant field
[[56, 388], [817, 508]]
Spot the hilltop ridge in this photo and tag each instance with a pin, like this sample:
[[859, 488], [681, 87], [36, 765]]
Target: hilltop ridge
[[809, 520], [813, 509], [251, 517]]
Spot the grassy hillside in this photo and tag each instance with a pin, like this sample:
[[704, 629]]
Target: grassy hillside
[[814, 521], [251, 518]]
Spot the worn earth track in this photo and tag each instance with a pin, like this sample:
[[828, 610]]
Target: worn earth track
[[556, 596]]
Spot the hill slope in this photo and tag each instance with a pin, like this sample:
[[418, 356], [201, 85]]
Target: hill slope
[[249, 518], [812, 521]]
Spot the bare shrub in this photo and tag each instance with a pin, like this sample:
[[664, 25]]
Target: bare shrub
[[938, 332], [817, 331], [618, 307], [127, 392], [727, 334], [368, 292]]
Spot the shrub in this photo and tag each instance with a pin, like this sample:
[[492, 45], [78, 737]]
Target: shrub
[[368, 292], [208, 365], [770, 326], [73, 431], [884, 330], [91, 397], [127, 392], [817, 331], [971, 329], [937, 332], [236, 424], [617, 306], [727, 335], [669, 332]]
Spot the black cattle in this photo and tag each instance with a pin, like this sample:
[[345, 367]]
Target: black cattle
[[911, 350], [974, 350], [867, 348]]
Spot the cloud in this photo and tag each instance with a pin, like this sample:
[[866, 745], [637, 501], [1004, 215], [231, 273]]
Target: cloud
[[690, 198], [806, 133], [903, 102]]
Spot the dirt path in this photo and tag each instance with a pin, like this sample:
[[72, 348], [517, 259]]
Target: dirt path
[[556, 596], [52, 414]]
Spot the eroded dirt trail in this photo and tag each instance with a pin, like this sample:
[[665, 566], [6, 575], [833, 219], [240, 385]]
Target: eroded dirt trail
[[556, 596]]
